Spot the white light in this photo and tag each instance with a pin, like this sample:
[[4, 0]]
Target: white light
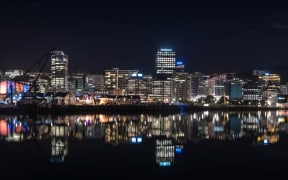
[[139, 139], [166, 49]]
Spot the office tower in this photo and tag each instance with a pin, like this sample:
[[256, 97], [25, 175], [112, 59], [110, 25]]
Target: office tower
[[165, 63], [95, 82], [116, 80], [140, 85], [180, 85], [161, 91], [196, 81], [180, 66], [77, 82], [252, 90], [59, 71], [235, 90], [271, 82]]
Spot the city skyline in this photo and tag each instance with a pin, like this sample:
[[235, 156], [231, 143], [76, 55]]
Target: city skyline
[[207, 37]]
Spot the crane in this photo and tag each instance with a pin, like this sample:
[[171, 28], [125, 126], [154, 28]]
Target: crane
[[41, 64]]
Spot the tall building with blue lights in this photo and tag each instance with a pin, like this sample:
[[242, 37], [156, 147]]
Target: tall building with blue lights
[[180, 66]]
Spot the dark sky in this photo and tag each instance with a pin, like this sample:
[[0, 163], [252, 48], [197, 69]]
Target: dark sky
[[208, 36]]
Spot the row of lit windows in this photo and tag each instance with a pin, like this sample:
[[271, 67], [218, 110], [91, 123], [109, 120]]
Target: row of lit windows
[[161, 53]]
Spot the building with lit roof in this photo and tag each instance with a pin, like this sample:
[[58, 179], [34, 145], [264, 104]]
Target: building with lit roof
[[165, 63]]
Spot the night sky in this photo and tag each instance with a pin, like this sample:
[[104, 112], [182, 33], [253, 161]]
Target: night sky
[[208, 36]]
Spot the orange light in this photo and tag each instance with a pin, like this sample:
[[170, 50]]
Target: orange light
[[3, 87], [3, 128]]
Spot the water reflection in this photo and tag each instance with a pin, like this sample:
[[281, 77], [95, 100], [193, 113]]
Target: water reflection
[[165, 151], [169, 133], [59, 140]]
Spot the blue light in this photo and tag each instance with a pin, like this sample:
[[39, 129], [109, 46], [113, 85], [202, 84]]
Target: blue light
[[137, 75], [179, 63], [266, 141], [139, 139], [133, 140], [164, 163], [25, 88], [178, 150]]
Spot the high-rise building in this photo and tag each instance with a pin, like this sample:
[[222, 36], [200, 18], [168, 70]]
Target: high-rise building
[[165, 63], [196, 81], [140, 85], [181, 83], [117, 80], [252, 90], [59, 71], [180, 66], [161, 91], [77, 82], [235, 90], [95, 82], [271, 82]]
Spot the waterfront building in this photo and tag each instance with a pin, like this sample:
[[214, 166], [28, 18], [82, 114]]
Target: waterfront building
[[77, 82], [59, 71], [180, 86], [161, 91], [282, 100], [216, 86], [235, 90], [284, 89], [196, 82], [11, 91], [95, 82], [203, 88], [116, 80], [271, 82], [140, 85], [253, 90]]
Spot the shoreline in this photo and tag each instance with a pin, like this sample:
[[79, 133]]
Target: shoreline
[[128, 109]]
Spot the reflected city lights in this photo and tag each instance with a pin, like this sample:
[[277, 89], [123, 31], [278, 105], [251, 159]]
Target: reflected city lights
[[170, 132]]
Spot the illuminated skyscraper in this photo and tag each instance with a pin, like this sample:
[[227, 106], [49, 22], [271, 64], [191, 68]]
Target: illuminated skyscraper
[[165, 63], [116, 80], [59, 71]]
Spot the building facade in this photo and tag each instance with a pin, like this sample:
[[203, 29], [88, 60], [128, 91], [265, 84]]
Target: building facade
[[59, 71], [117, 80], [181, 87], [165, 63]]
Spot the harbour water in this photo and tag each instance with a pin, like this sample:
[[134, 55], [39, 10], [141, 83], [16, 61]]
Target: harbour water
[[202, 144]]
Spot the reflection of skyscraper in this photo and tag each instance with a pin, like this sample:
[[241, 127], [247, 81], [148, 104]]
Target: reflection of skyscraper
[[59, 142], [234, 125], [164, 152], [59, 71]]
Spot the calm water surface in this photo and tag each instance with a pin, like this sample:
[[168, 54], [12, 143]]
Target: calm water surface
[[201, 144]]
